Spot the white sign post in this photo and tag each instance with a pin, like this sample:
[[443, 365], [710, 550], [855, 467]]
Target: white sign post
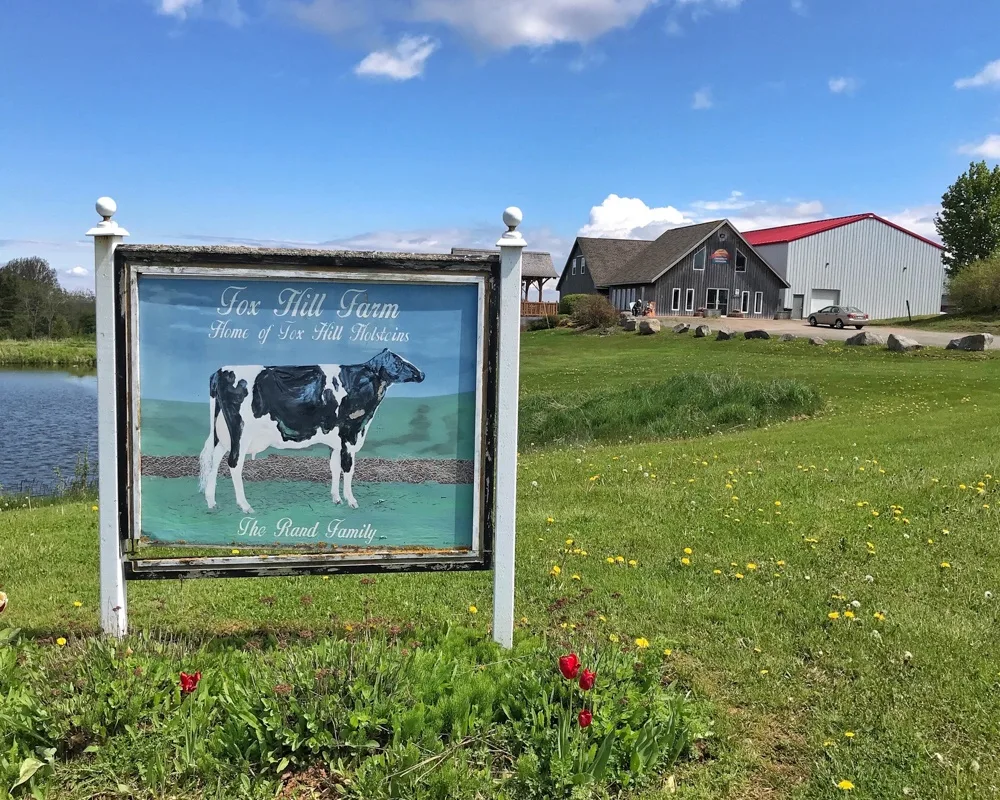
[[511, 246], [107, 236]]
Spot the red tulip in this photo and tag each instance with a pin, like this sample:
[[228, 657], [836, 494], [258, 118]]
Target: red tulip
[[587, 680], [569, 666], [585, 718], [189, 682]]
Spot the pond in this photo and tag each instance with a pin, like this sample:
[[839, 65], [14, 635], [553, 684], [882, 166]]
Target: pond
[[47, 419]]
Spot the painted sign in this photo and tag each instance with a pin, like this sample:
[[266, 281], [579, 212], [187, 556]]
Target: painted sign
[[333, 415], [720, 256]]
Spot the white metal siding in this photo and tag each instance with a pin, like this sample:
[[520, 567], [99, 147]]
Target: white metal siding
[[777, 256], [866, 263], [821, 298]]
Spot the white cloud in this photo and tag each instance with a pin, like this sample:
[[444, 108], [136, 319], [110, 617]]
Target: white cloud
[[400, 63], [705, 3], [919, 219], [702, 99], [990, 74], [843, 85], [630, 218], [177, 8], [503, 24], [987, 148], [799, 7], [78, 272]]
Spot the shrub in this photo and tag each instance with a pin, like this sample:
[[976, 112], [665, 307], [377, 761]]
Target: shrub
[[568, 303], [976, 288], [691, 404], [594, 311], [448, 716], [543, 323]]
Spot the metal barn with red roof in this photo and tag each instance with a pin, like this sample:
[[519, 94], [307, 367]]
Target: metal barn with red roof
[[861, 260]]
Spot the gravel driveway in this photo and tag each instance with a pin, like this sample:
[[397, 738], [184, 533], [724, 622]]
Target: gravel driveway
[[800, 327]]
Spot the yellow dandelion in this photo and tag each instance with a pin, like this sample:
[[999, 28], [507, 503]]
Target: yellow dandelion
[[569, 542], [61, 642], [861, 469], [633, 563], [610, 559], [620, 559], [77, 604], [686, 561], [879, 616], [641, 643], [93, 508], [668, 652], [962, 486], [849, 734], [583, 553], [849, 614], [687, 551], [739, 576], [613, 637], [576, 577], [735, 499], [763, 672], [780, 563], [348, 628], [833, 615], [594, 478], [235, 552], [874, 513], [524, 620], [845, 785], [716, 571], [549, 520], [751, 567], [556, 569], [945, 531], [602, 618], [729, 486], [473, 610], [777, 503], [945, 565], [829, 743]]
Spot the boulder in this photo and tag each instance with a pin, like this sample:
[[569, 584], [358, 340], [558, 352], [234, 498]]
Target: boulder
[[623, 318], [758, 334], [682, 327], [701, 331], [865, 339], [902, 344], [788, 337], [817, 341], [648, 325], [628, 324], [976, 342], [724, 334]]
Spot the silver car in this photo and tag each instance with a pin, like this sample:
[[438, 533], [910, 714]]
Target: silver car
[[839, 316]]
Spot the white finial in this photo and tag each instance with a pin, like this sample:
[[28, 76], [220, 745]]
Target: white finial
[[106, 207], [512, 217]]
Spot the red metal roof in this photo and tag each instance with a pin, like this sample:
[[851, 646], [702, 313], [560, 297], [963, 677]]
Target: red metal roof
[[789, 233]]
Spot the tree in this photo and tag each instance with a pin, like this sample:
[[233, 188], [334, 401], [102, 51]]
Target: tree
[[32, 269], [969, 222]]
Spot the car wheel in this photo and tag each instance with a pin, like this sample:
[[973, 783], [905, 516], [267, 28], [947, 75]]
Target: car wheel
[[858, 327], [812, 321], [838, 324]]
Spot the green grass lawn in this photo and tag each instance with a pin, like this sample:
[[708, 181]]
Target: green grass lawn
[[837, 610], [964, 323]]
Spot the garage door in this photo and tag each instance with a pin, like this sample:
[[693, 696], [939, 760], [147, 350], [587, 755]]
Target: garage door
[[820, 298]]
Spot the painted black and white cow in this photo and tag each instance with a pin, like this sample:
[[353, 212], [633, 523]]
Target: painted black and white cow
[[254, 407]]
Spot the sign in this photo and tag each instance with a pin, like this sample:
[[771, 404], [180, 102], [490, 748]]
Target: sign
[[305, 413], [720, 256]]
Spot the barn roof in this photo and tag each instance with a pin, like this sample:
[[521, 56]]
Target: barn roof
[[790, 233], [534, 263], [607, 257], [664, 252]]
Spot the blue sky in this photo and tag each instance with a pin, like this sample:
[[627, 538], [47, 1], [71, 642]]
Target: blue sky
[[411, 124], [177, 315]]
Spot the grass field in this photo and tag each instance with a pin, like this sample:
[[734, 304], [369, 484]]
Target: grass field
[[826, 586], [963, 323], [48, 353]]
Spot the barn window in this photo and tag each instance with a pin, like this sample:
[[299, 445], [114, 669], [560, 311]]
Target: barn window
[[758, 302], [583, 265], [689, 300], [699, 259], [745, 303], [741, 262], [675, 300]]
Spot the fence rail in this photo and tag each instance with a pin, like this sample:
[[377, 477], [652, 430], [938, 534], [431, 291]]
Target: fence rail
[[538, 309]]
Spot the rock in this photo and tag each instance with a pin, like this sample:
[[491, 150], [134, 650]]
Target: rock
[[649, 325], [724, 334], [901, 344], [817, 341], [865, 339], [701, 331], [976, 342], [623, 318], [682, 327], [788, 337], [758, 334], [628, 324]]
